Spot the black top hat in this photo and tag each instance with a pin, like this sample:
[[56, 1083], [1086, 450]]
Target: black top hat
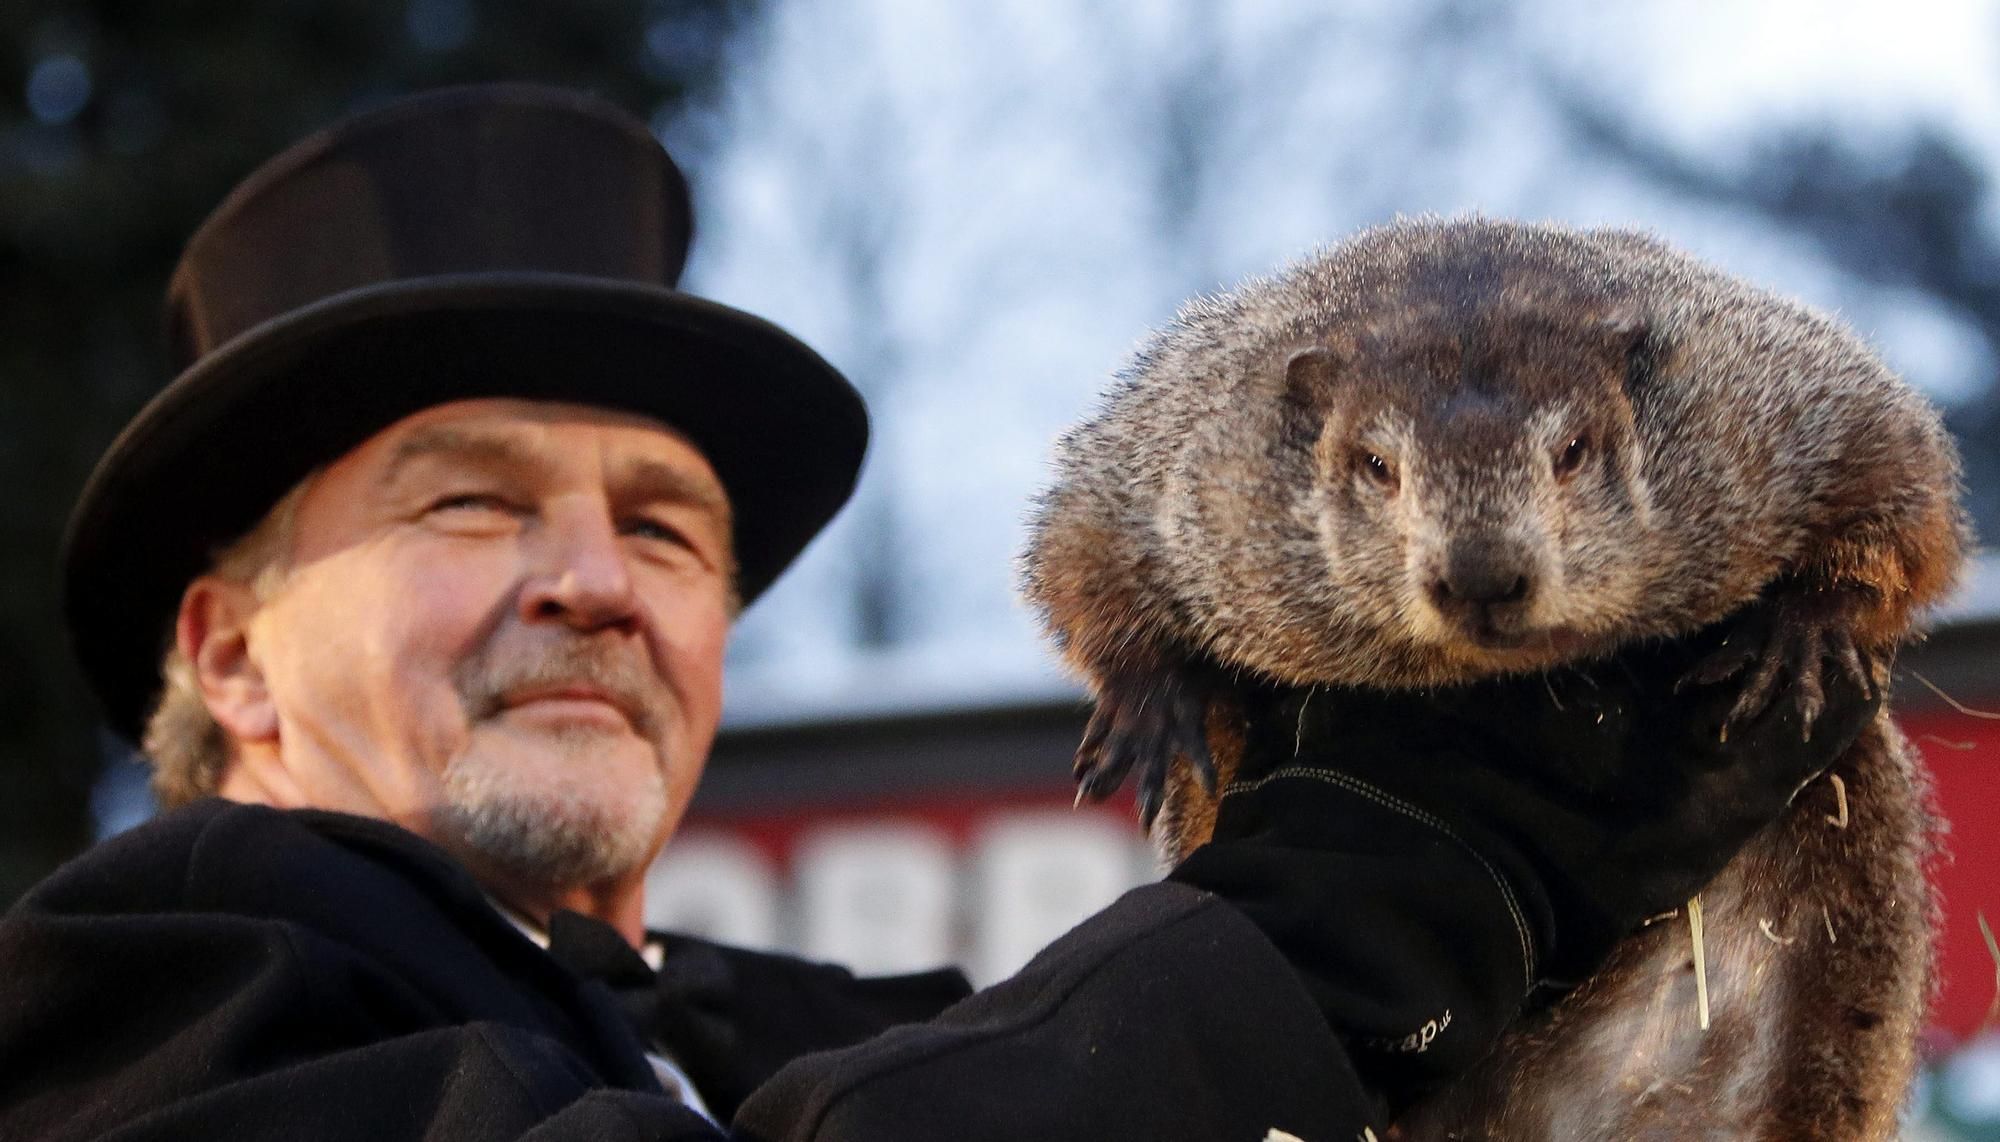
[[503, 240]]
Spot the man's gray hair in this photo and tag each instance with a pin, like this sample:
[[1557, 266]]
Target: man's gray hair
[[188, 749]]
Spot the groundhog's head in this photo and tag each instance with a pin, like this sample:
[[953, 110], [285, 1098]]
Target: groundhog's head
[[1455, 489], [1477, 477]]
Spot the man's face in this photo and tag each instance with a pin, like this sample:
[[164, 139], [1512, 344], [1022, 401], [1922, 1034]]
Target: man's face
[[504, 629]]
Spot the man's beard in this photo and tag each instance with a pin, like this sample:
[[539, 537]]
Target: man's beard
[[556, 821]]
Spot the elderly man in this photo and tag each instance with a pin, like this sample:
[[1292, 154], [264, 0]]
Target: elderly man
[[441, 531]]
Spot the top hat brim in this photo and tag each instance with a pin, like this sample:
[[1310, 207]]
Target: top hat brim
[[210, 455]]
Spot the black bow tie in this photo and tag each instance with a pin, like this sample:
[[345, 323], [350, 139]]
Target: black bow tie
[[594, 950], [689, 991]]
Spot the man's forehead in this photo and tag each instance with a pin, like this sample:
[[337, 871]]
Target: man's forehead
[[502, 427]]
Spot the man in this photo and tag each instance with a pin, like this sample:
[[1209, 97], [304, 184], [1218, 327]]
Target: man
[[435, 542]]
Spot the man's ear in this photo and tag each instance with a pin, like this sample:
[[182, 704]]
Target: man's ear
[[213, 631]]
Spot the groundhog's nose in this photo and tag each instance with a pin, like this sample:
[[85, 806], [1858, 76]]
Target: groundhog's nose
[[1484, 587]]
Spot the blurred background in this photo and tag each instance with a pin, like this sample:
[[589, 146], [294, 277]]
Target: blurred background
[[976, 211]]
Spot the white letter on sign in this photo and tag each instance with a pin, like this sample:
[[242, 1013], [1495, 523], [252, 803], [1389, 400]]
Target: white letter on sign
[[1037, 874], [714, 886], [877, 898]]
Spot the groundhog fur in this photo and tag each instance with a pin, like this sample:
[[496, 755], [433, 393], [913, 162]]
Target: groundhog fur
[[1446, 450]]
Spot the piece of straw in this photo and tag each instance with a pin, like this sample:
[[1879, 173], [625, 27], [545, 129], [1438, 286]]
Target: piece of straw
[[1840, 799], [1953, 702], [1700, 961]]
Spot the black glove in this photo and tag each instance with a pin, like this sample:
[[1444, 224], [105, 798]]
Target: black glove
[[1426, 860]]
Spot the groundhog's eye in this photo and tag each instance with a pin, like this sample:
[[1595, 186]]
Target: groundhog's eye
[[1376, 468], [1571, 457]]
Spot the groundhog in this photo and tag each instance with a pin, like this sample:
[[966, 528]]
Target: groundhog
[[1448, 450]]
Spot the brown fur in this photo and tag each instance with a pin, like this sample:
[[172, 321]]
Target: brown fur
[[1221, 505]]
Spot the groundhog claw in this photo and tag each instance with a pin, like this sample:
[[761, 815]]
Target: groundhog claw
[[1785, 653], [1143, 720]]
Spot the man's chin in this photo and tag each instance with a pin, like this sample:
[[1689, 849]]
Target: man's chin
[[564, 821]]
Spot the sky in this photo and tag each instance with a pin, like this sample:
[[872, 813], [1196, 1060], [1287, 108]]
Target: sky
[[1866, 64]]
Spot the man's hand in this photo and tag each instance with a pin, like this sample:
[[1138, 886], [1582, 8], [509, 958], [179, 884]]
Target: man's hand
[[1425, 859]]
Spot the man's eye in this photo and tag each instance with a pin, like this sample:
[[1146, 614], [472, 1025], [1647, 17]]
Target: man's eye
[[654, 529], [469, 501]]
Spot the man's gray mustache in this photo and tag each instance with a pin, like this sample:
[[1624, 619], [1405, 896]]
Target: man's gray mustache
[[486, 679]]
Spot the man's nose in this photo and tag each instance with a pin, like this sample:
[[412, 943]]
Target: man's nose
[[580, 576]]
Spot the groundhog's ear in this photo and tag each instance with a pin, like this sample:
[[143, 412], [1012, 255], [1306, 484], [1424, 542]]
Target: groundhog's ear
[[1309, 377], [1310, 374], [1630, 339]]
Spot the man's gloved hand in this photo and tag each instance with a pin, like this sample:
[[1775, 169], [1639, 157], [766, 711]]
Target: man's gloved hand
[[1426, 859]]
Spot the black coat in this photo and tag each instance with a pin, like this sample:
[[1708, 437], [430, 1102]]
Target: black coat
[[232, 971]]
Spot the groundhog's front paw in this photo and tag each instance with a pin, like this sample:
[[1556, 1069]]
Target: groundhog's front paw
[[1787, 643], [1145, 717]]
